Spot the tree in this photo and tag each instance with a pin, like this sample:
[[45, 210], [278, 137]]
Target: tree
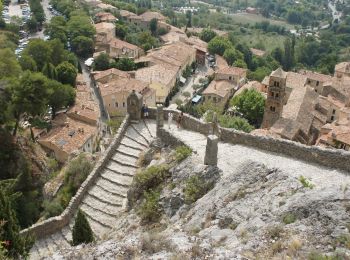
[[121, 31], [17, 245], [288, 55], [251, 104], [153, 26], [235, 122], [231, 55], [56, 29], [277, 54], [32, 24], [40, 51], [60, 96], [189, 19], [218, 45], [9, 66], [80, 25], [248, 55], [49, 71], [207, 34], [83, 46], [101, 62], [29, 95], [58, 53], [66, 73], [82, 232], [125, 64], [27, 63]]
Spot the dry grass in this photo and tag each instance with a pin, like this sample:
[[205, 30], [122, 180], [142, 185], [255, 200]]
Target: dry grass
[[275, 232], [294, 247], [154, 242]]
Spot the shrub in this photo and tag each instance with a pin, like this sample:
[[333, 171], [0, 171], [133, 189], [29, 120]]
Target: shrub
[[53, 208], [82, 232], [196, 188], [182, 152], [289, 218], [306, 183], [149, 179], [275, 231], [150, 210]]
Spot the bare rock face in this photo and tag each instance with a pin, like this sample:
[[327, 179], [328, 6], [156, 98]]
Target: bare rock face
[[255, 212]]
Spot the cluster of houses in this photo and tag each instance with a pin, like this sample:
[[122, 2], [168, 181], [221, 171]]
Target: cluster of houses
[[78, 128], [308, 107]]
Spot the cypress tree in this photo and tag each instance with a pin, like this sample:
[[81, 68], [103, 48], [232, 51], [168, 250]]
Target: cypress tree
[[82, 232], [15, 244]]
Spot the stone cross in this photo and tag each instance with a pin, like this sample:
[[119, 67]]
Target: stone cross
[[211, 151], [160, 118]]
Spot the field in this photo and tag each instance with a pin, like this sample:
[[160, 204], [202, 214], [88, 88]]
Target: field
[[245, 18]]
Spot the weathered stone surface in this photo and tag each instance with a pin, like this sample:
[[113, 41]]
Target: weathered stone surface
[[211, 151]]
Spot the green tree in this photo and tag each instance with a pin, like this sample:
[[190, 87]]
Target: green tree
[[9, 66], [40, 51], [121, 31], [49, 71], [248, 55], [82, 232], [83, 46], [288, 60], [277, 54], [27, 63], [61, 96], [231, 55], [207, 34], [80, 25], [235, 122], [29, 95], [101, 62], [32, 24], [240, 64], [66, 73], [218, 45], [56, 29], [153, 26], [125, 64], [17, 245], [58, 53], [251, 104]]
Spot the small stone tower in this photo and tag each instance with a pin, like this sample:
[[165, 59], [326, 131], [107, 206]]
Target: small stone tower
[[134, 105], [275, 98]]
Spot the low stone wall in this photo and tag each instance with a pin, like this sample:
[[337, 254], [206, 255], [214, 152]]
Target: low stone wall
[[169, 139], [54, 224], [332, 158]]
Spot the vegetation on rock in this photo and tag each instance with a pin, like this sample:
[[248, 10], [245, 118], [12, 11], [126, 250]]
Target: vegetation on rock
[[82, 232]]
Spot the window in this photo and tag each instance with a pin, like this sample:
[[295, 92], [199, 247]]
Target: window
[[332, 118], [316, 90], [308, 81], [273, 109], [276, 95], [116, 104], [272, 94], [109, 105], [214, 98], [317, 83], [123, 104], [333, 111], [230, 78], [342, 146], [276, 84]]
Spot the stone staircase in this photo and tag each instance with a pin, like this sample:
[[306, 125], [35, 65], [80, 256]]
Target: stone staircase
[[106, 199]]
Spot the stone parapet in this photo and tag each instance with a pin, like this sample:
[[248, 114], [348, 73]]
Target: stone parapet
[[52, 225]]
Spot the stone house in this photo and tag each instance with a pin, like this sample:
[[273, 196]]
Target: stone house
[[122, 49], [114, 94], [144, 19], [104, 17], [342, 69], [218, 92], [235, 75], [108, 75], [105, 32]]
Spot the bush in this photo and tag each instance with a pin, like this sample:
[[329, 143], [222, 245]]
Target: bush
[[150, 210], [196, 188], [289, 218], [51, 209], [149, 179], [306, 183], [82, 232], [182, 152]]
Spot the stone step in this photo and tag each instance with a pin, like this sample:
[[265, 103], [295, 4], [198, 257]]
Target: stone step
[[98, 228], [103, 220], [121, 162], [107, 209], [66, 232], [152, 126], [34, 253], [134, 135], [125, 159], [51, 245], [107, 185], [135, 140], [106, 198], [133, 145], [129, 152], [60, 240], [100, 212], [153, 135], [96, 189], [114, 179], [124, 169], [113, 176], [142, 131], [43, 250]]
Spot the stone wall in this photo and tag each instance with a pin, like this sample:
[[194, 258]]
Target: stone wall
[[54, 224], [332, 158]]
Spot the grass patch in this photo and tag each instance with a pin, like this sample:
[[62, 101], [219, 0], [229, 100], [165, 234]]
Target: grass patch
[[182, 152], [196, 188], [150, 210], [289, 218], [306, 183], [275, 232], [149, 179], [319, 256]]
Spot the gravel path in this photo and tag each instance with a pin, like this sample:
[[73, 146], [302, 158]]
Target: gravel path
[[230, 156]]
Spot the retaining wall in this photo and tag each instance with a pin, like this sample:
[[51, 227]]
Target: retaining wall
[[54, 224], [332, 158]]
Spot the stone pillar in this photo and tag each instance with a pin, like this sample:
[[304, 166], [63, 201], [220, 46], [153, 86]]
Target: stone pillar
[[134, 105], [160, 118], [211, 151]]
